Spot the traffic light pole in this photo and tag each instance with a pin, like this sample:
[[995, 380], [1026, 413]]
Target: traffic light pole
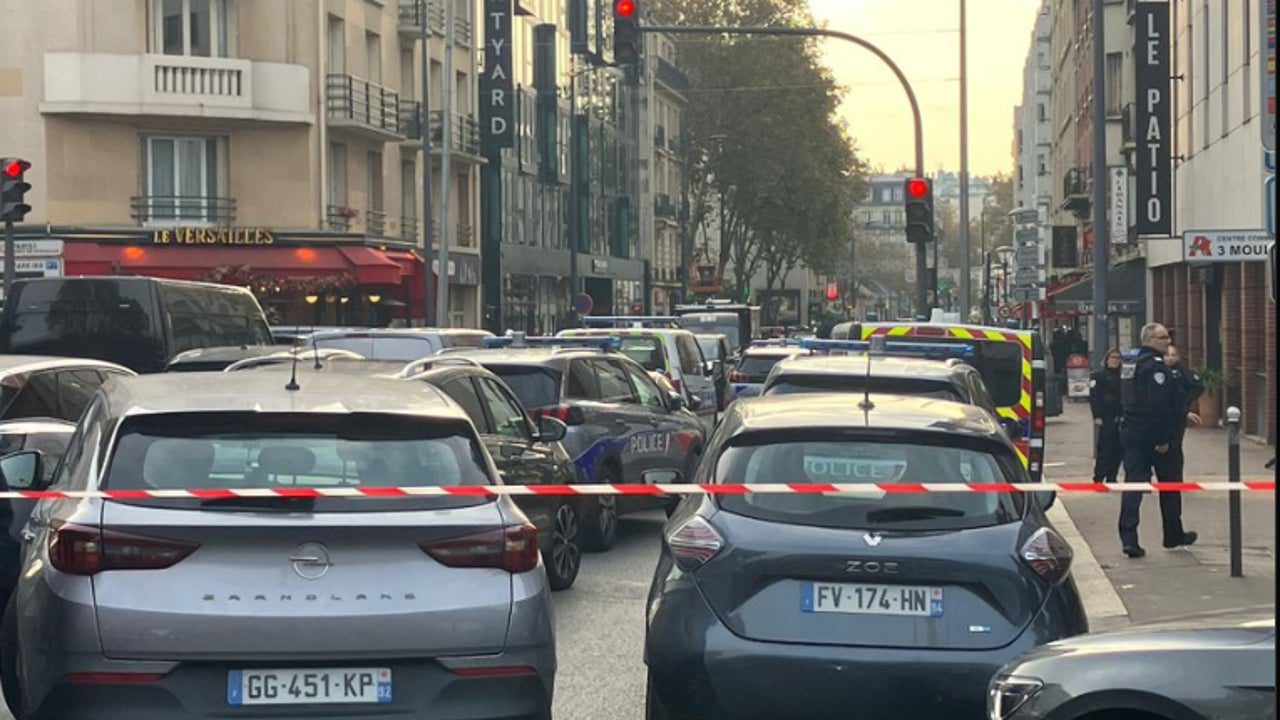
[[10, 262], [922, 290]]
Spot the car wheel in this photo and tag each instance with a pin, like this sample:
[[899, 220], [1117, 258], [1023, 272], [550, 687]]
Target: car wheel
[[564, 556], [9, 660], [653, 707], [600, 528]]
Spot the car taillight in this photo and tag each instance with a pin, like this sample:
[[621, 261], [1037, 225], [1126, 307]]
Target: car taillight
[[567, 414], [113, 678], [1048, 554], [1037, 420], [737, 377], [694, 543], [79, 550], [513, 548]]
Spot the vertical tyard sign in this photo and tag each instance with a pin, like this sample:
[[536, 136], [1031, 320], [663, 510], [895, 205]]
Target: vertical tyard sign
[[1153, 198], [497, 86], [1119, 209]]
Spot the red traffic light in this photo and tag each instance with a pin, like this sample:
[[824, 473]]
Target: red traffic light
[[624, 8], [833, 291], [917, 187], [14, 168]]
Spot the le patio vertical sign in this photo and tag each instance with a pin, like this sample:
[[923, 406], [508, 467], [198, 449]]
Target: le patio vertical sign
[[497, 86], [1153, 199]]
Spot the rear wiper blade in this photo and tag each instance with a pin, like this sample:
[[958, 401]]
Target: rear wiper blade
[[260, 503], [912, 512]]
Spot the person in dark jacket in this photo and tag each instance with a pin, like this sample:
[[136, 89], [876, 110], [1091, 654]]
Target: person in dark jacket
[[1104, 402], [1191, 387], [1154, 410]]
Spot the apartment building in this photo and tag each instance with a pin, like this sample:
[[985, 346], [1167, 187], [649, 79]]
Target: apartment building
[[163, 133], [664, 152]]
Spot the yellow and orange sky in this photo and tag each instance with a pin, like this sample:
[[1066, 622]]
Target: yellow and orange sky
[[920, 35]]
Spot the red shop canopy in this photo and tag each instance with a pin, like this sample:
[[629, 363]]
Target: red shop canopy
[[370, 266]]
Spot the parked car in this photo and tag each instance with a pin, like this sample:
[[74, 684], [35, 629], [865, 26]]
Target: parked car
[[748, 376], [1207, 667], [525, 453], [899, 605], [719, 357], [319, 607], [50, 437], [951, 379], [33, 386], [398, 343], [620, 424], [674, 353], [213, 359], [138, 322]]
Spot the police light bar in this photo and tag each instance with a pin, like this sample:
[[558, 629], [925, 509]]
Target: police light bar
[[519, 340], [622, 321], [927, 351]]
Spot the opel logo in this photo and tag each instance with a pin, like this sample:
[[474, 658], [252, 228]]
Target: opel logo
[[311, 561]]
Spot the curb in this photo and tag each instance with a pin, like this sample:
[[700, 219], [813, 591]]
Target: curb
[[1102, 604]]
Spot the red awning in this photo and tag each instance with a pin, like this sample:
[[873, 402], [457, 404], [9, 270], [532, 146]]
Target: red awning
[[371, 267]]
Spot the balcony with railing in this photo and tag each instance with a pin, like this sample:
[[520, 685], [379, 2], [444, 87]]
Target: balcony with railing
[[1077, 187], [416, 17], [410, 228], [183, 210], [664, 207], [363, 108], [175, 86], [339, 217], [673, 77], [464, 135], [375, 222]]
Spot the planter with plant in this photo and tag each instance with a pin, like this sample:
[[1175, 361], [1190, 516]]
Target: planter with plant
[[1209, 407]]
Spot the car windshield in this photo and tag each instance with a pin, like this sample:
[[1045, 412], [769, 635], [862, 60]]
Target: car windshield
[[710, 348], [832, 458], [646, 351], [727, 326], [757, 367], [234, 450], [797, 384], [536, 387]]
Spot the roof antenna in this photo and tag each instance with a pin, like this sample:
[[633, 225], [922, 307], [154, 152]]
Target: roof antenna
[[293, 376], [315, 351], [877, 345]]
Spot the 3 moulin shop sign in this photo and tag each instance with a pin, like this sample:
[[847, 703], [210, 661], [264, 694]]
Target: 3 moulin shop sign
[[1211, 246]]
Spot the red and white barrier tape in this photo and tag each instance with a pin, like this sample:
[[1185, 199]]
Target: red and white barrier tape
[[1251, 485]]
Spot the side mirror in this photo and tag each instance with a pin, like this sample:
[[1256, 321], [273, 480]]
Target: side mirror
[[21, 471], [551, 429], [695, 403], [675, 400], [660, 477]]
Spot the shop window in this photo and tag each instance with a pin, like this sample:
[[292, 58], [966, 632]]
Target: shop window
[[199, 28]]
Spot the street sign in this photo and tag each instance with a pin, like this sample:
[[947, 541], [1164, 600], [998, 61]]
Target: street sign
[[35, 248], [1023, 294], [1213, 246], [1267, 46], [1027, 255], [1119, 208], [1027, 235], [1025, 217]]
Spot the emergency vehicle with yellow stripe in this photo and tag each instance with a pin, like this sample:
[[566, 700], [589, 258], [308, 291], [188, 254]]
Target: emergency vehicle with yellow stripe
[[1011, 362]]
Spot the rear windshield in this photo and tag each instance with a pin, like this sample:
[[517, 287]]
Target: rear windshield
[[536, 387], [757, 367], [194, 451], [830, 458], [710, 349], [727, 326], [646, 351], [102, 319], [797, 384], [999, 363]]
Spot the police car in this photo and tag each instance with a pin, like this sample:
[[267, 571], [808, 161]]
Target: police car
[[747, 379], [621, 425]]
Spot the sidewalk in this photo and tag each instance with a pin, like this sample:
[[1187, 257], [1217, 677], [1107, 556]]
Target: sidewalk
[[1170, 583]]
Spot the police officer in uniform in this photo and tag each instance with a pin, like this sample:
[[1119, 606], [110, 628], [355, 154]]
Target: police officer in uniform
[[1104, 402], [1191, 386], [1154, 408]]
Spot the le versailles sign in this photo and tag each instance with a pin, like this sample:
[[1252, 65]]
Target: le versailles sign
[[213, 236]]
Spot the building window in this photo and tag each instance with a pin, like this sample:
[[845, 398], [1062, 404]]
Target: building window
[[1115, 84], [337, 46], [198, 28], [409, 198], [181, 182], [338, 174], [373, 63]]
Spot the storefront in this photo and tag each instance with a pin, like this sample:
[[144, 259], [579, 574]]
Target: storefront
[[300, 278], [1071, 305]]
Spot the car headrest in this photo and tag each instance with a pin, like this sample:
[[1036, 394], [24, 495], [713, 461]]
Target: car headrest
[[286, 460], [178, 463]]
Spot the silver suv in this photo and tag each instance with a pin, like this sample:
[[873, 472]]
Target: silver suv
[[219, 604]]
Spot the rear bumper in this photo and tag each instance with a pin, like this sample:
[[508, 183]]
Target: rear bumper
[[702, 670], [199, 690]]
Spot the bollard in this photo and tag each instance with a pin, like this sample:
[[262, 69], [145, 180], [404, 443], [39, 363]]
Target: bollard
[[1233, 499]]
